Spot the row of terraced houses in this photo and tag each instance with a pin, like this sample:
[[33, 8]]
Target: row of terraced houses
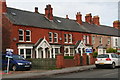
[[36, 35]]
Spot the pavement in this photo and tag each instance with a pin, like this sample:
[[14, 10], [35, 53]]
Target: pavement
[[41, 73]]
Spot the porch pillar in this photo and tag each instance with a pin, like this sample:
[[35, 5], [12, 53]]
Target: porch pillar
[[31, 53], [50, 53], [53, 52], [36, 53], [44, 54], [81, 51], [76, 50], [24, 53]]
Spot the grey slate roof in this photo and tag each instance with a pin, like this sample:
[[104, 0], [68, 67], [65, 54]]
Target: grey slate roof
[[26, 18]]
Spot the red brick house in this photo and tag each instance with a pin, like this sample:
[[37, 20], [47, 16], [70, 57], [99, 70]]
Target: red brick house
[[36, 35]]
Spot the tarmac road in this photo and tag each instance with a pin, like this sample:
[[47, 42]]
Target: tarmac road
[[94, 73]]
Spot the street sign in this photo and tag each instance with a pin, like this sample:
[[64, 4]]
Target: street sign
[[88, 50], [9, 52]]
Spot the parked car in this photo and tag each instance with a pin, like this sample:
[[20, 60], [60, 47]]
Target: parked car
[[17, 62], [109, 59]]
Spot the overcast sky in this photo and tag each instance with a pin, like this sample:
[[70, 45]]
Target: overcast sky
[[106, 9]]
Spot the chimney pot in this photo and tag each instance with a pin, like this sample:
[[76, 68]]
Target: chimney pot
[[79, 17], [36, 9], [116, 24], [96, 20], [49, 12], [3, 7], [67, 17], [88, 18]]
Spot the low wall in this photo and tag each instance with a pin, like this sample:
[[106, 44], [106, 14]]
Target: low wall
[[69, 62], [77, 61]]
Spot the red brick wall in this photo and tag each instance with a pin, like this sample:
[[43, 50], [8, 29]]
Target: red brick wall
[[6, 33], [69, 62], [62, 63], [38, 33], [84, 59], [92, 60]]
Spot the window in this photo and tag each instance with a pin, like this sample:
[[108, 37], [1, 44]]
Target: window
[[116, 42], [100, 40], [71, 50], [84, 39], [56, 50], [28, 35], [114, 56], [103, 56], [87, 39], [55, 37], [50, 37], [22, 52], [70, 38], [21, 35], [66, 38], [93, 39], [28, 53], [108, 41]]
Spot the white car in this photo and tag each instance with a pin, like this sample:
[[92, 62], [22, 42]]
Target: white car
[[109, 59]]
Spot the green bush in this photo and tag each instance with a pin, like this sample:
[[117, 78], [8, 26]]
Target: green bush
[[95, 54], [68, 57], [111, 50]]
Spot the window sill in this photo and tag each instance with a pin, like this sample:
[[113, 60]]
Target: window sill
[[21, 41], [66, 42], [28, 41]]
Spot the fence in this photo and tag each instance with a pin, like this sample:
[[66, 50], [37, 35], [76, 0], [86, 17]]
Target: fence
[[43, 63]]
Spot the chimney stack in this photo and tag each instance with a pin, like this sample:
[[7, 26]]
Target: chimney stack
[[116, 24], [36, 10], [88, 18], [96, 20], [79, 17], [49, 12], [3, 7], [67, 17]]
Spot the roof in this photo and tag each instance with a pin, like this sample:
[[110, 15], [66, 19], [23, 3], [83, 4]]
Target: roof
[[26, 18], [38, 42]]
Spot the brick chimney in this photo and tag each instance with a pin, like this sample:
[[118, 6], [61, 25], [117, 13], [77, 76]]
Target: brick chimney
[[36, 10], [116, 24], [3, 7], [49, 12], [79, 17], [67, 17], [96, 20], [88, 18]]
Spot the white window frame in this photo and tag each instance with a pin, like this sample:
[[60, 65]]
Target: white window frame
[[66, 38], [109, 41], [84, 39], [56, 37], [93, 39], [21, 35], [51, 37], [116, 42], [101, 40], [29, 36], [70, 38], [88, 40]]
